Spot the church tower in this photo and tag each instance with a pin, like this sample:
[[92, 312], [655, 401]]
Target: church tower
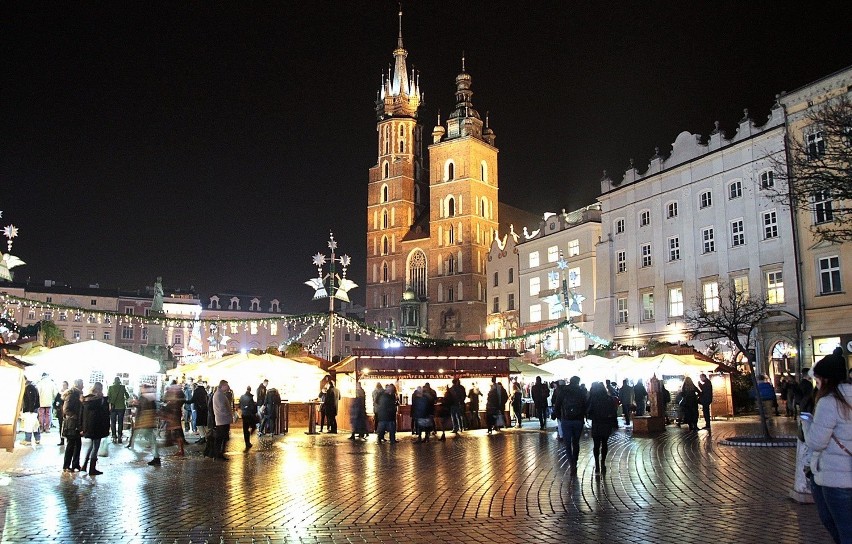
[[462, 217], [395, 190]]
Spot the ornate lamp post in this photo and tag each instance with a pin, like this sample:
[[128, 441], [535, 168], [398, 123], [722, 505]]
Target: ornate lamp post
[[332, 284]]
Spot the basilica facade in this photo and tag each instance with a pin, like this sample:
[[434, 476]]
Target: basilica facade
[[431, 216]]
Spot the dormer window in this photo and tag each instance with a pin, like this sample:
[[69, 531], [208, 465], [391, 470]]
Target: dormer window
[[235, 303], [274, 306], [214, 303], [255, 305]]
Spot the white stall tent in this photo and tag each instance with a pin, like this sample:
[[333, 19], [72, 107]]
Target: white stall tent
[[294, 380], [90, 361]]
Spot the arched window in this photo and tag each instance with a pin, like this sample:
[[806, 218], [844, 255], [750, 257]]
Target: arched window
[[449, 170], [385, 194], [451, 207], [417, 272], [385, 271], [384, 219], [484, 207], [386, 171], [451, 265], [402, 146], [385, 245], [483, 170], [401, 130], [451, 235]]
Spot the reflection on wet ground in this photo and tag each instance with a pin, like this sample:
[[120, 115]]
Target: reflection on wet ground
[[511, 487]]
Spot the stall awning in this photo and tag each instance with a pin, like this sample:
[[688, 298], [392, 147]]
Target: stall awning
[[419, 362]]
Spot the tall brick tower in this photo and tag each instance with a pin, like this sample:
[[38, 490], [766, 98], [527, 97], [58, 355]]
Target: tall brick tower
[[463, 218], [395, 190]]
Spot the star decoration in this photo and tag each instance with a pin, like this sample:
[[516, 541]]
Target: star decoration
[[332, 245], [319, 259], [10, 232], [562, 263], [345, 260], [553, 275]]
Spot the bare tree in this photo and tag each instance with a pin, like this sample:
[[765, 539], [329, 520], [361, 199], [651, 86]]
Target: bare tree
[[819, 177], [734, 316]]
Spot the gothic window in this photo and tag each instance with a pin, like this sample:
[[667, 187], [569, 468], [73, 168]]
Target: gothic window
[[449, 170], [384, 219], [386, 172], [385, 245], [402, 146], [484, 207], [451, 265], [385, 194], [385, 271], [451, 207], [417, 272], [483, 171]]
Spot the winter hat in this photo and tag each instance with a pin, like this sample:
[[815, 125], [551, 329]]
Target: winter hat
[[831, 367]]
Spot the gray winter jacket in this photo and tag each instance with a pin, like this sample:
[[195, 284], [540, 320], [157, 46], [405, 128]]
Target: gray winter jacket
[[832, 467]]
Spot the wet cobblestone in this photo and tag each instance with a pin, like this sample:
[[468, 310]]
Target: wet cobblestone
[[514, 486]]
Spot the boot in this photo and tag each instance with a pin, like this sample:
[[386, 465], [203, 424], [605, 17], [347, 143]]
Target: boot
[[85, 466], [93, 468]]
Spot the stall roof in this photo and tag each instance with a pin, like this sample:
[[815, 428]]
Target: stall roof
[[473, 361]]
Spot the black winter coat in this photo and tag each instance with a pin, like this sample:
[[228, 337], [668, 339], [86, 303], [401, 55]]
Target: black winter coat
[[95, 417], [386, 409], [199, 400], [31, 401]]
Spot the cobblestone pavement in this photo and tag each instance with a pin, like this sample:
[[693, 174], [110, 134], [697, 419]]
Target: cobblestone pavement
[[514, 486]]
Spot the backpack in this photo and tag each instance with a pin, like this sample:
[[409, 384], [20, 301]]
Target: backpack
[[571, 407]]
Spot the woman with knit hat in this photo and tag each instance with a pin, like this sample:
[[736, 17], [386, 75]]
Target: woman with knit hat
[[829, 437]]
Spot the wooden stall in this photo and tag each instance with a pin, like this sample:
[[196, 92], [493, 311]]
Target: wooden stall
[[410, 367]]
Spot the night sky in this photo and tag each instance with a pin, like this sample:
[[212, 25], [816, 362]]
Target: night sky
[[216, 144]]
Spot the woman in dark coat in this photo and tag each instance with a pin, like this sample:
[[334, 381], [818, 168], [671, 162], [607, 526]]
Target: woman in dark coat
[[604, 418], [199, 400], [72, 421], [517, 402], [358, 413], [689, 403], [95, 425], [248, 413]]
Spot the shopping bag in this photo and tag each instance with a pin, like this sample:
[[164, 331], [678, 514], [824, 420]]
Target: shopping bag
[[103, 450]]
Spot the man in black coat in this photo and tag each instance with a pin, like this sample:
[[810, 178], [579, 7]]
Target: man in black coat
[[330, 406], [571, 406], [705, 398], [539, 392]]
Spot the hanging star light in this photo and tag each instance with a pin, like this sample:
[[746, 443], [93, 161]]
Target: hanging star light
[[7, 260], [331, 284]]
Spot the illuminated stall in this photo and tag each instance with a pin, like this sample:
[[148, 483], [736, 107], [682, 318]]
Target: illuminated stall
[[12, 382], [410, 367]]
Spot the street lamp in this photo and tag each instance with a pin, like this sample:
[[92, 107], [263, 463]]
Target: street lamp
[[331, 285]]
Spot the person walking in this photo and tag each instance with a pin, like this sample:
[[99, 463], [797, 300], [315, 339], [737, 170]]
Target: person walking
[[248, 413], [625, 395], [705, 398], [571, 406], [146, 421], [224, 416], [117, 396], [72, 421], [261, 394], [270, 411], [199, 404], [829, 438], [358, 413], [386, 414], [517, 403], [458, 395], [95, 426], [175, 399], [58, 400], [46, 394], [29, 411], [332, 397], [689, 403], [539, 392], [604, 418], [640, 397], [473, 405]]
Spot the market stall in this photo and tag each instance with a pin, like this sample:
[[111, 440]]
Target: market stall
[[93, 361], [408, 368], [12, 384]]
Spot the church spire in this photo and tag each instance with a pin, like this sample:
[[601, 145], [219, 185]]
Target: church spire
[[401, 95]]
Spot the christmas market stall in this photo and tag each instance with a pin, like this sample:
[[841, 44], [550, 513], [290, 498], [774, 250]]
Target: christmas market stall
[[411, 367], [93, 361], [12, 384]]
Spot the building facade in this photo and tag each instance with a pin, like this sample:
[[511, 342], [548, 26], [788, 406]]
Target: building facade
[[429, 232], [826, 267], [558, 268], [693, 225]]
